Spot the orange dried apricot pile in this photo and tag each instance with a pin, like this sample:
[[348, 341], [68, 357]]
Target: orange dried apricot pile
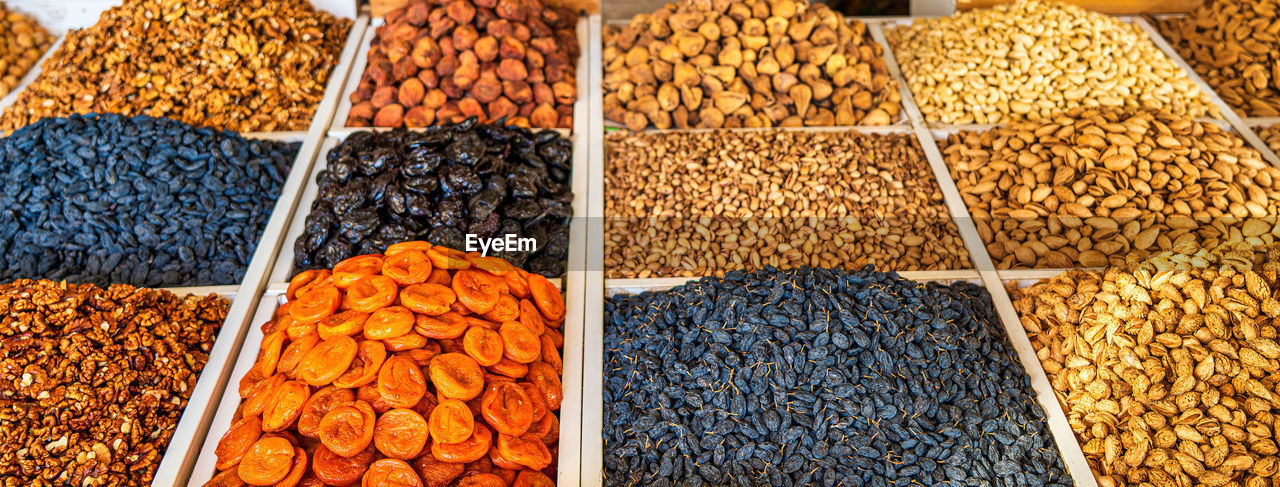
[[424, 366]]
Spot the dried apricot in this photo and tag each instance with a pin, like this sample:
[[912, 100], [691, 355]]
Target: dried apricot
[[388, 322], [435, 473], [293, 353], [369, 393], [446, 326], [550, 355], [547, 297], [518, 343], [338, 470], [268, 461], [295, 329], [349, 271], [269, 354], [556, 337], [400, 382], [327, 360], [508, 476], [407, 267], [250, 379], [311, 481], [426, 405], [346, 323], [397, 248], [451, 421], [483, 345], [469, 450], [502, 462], [228, 478], [509, 368], [347, 430], [260, 393], [315, 304], [422, 356], [530, 478], [482, 480], [447, 258], [390, 472], [285, 405], [400, 433], [507, 309], [476, 290], [296, 471], [457, 376], [319, 404], [302, 279], [406, 342], [507, 408], [549, 426], [492, 265], [531, 318], [441, 277], [517, 284], [370, 356], [235, 443], [525, 450], [547, 381], [427, 298], [370, 293], [536, 400]]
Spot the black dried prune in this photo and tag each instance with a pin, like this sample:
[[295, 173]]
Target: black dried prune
[[439, 185]]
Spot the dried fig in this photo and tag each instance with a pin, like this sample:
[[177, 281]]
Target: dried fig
[[486, 48], [428, 78], [426, 52], [486, 89], [363, 109], [389, 116], [411, 92], [464, 37], [461, 11], [416, 14], [518, 92], [447, 66], [511, 48], [565, 93], [543, 94], [502, 107], [419, 117], [544, 116], [512, 70], [434, 99], [471, 108], [384, 96], [499, 28], [510, 9], [545, 45]]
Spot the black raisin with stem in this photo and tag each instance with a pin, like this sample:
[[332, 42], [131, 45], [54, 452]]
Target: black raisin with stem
[[358, 224], [419, 206], [522, 187], [341, 170], [422, 162], [496, 182], [459, 180], [447, 236], [422, 185], [484, 203], [486, 227], [465, 150], [348, 198], [522, 208], [451, 212]]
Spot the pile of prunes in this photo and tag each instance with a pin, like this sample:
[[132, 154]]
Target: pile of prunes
[[487, 180]]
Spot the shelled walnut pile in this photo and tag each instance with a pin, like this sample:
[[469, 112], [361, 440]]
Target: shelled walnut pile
[[754, 63], [441, 61], [1089, 186], [1235, 46], [243, 66], [93, 381], [705, 203], [1168, 367], [22, 42]]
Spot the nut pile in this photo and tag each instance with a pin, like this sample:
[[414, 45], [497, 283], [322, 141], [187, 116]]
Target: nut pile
[[1089, 186], [1167, 368], [440, 61], [22, 42], [752, 63], [93, 381], [242, 66], [818, 377], [484, 180], [143, 201], [1034, 59], [698, 204], [414, 367], [1235, 46], [1271, 135]]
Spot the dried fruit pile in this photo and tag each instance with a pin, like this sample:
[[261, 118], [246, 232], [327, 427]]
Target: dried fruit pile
[[22, 42], [242, 66], [818, 377], [752, 63], [1167, 367], [141, 200], [1031, 60], [439, 186], [698, 204], [441, 61], [411, 368], [93, 381], [1087, 187], [1235, 46]]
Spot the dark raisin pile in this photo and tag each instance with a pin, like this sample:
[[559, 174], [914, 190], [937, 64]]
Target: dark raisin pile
[[818, 377], [467, 178], [138, 200]]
